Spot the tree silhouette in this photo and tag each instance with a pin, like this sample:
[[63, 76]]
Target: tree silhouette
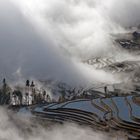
[[18, 94], [27, 83], [27, 98], [4, 93], [32, 84], [27, 92], [44, 95], [33, 92]]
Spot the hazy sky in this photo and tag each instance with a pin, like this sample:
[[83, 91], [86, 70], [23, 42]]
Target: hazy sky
[[23, 51], [42, 38]]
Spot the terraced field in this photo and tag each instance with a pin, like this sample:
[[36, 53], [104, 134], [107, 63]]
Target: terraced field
[[127, 42], [110, 65], [105, 114]]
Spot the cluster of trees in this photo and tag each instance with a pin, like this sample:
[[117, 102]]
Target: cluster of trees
[[27, 96], [30, 95], [4, 93]]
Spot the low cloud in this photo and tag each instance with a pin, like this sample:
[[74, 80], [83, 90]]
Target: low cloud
[[50, 39], [22, 127]]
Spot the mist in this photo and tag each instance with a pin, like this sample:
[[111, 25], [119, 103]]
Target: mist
[[44, 39], [22, 127]]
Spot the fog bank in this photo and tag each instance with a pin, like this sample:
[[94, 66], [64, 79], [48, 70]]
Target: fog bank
[[21, 127], [50, 39]]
